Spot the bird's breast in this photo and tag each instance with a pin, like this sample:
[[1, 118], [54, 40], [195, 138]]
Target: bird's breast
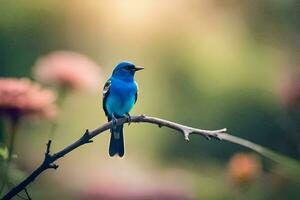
[[121, 98]]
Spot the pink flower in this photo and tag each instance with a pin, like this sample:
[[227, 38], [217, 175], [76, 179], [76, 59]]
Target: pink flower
[[22, 97], [290, 87], [68, 69]]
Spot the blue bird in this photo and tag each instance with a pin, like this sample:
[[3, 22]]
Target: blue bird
[[120, 93]]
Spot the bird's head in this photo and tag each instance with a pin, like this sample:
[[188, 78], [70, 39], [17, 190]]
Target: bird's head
[[125, 70]]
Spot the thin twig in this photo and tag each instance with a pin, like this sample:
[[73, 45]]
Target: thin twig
[[27, 194]]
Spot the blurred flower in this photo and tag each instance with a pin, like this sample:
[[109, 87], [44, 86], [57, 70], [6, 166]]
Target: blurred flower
[[104, 180], [243, 168], [22, 97], [18, 98], [290, 87], [138, 192], [68, 69]]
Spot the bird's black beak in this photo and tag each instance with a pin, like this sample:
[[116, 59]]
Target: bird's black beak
[[138, 68]]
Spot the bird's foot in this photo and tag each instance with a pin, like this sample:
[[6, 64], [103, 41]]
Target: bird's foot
[[128, 117]]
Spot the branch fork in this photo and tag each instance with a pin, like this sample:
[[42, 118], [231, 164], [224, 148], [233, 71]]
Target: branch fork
[[86, 138]]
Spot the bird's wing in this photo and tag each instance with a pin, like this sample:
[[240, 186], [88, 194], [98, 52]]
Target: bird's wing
[[136, 93], [105, 93]]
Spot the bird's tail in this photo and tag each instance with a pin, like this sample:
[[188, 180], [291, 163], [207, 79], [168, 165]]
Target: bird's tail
[[116, 145]]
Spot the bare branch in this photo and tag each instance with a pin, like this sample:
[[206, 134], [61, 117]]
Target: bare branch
[[48, 162]]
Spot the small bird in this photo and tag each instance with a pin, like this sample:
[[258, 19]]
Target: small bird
[[120, 93]]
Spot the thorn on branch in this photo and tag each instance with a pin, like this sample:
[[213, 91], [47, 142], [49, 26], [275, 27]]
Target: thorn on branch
[[208, 137], [216, 136], [53, 166], [86, 137], [86, 132], [186, 135]]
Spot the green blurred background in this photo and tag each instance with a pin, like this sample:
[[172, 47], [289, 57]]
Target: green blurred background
[[209, 64]]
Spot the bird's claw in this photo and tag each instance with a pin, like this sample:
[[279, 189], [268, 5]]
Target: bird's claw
[[128, 117]]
